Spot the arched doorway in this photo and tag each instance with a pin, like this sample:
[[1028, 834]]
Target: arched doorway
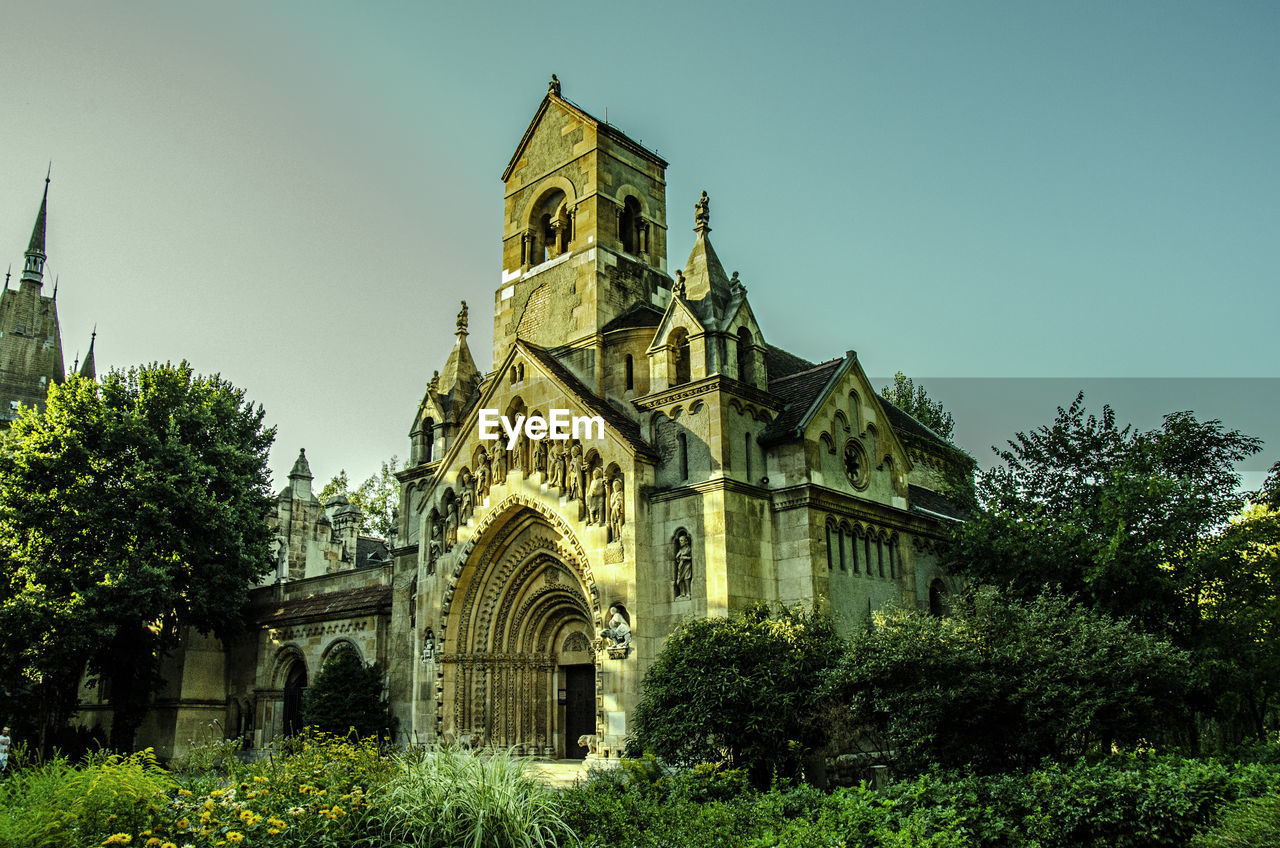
[[295, 684], [517, 638]]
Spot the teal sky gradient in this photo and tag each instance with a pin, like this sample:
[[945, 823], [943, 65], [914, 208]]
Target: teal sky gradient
[[298, 194]]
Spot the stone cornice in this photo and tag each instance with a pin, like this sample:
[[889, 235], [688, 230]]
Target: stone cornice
[[820, 498], [716, 383], [718, 484]]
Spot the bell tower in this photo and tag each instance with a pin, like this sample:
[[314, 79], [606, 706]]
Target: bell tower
[[584, 234]]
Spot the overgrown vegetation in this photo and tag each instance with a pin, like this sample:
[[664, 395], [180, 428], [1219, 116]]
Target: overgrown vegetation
[[346, 697]]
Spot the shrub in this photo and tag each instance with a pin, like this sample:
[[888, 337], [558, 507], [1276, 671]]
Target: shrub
[[446, 797], [347, 696], [1245, 824], [739, 692]]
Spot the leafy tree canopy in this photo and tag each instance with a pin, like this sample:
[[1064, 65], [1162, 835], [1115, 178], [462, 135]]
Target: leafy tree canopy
[[915, 401], [376, 498], [1003, 684], [128, 510], [738, 691], [347, 695]]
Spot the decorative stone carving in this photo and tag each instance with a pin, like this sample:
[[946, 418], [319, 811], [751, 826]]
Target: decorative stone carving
[[618, 634], [436, 546], [575, 472], [428, 647], [540, 456], [557, 458], [519, 460], [595, 498], [482, 476], [451, 526], [677, 288], [553, 87], [467, 484], [462, 318], [500, 465], [736, 287], [616, 518], [702, 211], [682, 564]]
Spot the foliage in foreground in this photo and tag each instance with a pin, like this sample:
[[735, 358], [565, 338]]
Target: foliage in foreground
[[739, 691], [450, 797], [1127, 801], [1002, 685]]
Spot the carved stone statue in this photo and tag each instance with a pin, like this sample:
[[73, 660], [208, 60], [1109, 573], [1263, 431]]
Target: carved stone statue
[[575, 472], [553, 87], [557, 466], [595, 498], [702, 211], [435, 381], [428, 647], [616, 519], [482, 476], [451, 526], [500, 465], [683, 564], [436, 548], [462, 318], [540, 456], [677, 288], [467, 482], [618, 633], [736, 286], [520, 461]]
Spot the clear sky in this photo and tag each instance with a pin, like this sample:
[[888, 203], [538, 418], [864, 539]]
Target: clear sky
[[297, 195]]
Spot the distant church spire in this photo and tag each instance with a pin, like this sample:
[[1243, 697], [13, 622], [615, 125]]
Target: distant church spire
[[34, 269], [88, 369]]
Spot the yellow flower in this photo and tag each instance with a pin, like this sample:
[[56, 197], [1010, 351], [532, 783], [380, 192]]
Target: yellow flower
[[153, 842], [259, 779], [182, 823], [118, 839], [185, 793], [273, 830], [168, 845], [275, 822], [235, 837]]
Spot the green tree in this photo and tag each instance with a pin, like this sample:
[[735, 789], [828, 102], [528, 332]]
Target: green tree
[[915, 401], [346, 695], [739, 692], [1001, 684], [376, 498], [129, 510], [1270, 491]]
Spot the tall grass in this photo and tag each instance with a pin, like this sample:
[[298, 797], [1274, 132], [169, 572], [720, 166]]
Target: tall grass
[[53, 805], [451, 798]]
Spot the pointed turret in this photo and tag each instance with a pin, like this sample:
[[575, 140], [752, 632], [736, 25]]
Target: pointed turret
[[707, 287], [300, 478], [33, 271], [460, 376], [89, 370]]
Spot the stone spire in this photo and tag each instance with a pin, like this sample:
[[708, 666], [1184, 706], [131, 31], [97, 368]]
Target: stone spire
[[300, 478], [33, 272], [88, 369], [707, 287], [460, 374]]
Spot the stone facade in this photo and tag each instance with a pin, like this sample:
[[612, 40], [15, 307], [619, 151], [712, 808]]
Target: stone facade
[[540, 580]]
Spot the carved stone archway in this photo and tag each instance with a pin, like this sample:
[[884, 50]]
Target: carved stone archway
[[522, 590]]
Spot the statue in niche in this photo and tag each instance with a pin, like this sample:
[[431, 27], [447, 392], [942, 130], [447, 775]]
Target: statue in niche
[[466, 482], [540, 456], [575, 472], [519, 461], [428, 646], [618, 633], [595, 498], [557, 466], [683, 564], [482, 476], [500, 465], [436, 548], [616, 519], [451, 526]]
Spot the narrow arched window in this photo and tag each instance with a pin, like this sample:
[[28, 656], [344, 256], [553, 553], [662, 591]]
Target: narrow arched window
[[893, 558], [631, 373], [680, 352], [844, 566], [684, 456], [746, 356], [746, 454], [830, 554], [629, 225], [853, 543], [880, 556], [866, 553]]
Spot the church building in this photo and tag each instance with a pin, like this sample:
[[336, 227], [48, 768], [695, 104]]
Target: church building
[[537, 578]]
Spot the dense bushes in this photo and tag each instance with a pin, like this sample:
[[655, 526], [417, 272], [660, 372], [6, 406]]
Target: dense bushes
[[346, 697], [1124, 802]]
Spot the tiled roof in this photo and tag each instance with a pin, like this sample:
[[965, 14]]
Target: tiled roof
[[922, 498], [345, 603], [779, 363], [905, 424], [638, 315], [799, 390], [615, 418]]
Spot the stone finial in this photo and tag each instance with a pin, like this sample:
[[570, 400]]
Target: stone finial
[[462, 319], [702, 214], [435, 381], [553, 87], [677, 288], [736, 287], [301, 468]]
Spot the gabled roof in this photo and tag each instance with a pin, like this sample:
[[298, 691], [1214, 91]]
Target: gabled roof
[[904, 423], [371, 551], [706, 283], [615, 418], [929, 501], [779, 363], [800, 390], [341, 604], [608, 131], [677, 306]]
